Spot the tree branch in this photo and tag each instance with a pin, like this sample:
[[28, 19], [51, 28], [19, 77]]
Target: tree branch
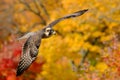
[[44, 9], [30, 9]]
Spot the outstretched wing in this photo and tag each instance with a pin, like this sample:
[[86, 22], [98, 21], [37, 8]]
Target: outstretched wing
[[25, 62], [75, 14], [29, 54]]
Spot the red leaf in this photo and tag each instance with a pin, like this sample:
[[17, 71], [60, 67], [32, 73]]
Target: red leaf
[[11, 77], [17, 52], [36, 67]]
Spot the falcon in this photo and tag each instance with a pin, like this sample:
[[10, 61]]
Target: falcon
[[32, 44]]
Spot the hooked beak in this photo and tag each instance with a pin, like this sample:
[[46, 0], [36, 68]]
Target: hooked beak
[[53, 32]]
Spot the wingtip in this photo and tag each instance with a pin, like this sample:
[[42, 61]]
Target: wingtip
[[82, 11], [18, 73], [85, 10]]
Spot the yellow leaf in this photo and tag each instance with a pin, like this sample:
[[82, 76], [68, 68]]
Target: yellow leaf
[[92, 68], [101, 67], [95, 49], [97, 34], [23, 28]]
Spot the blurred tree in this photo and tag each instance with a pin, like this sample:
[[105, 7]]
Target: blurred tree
[[97, 32], [5, 20]]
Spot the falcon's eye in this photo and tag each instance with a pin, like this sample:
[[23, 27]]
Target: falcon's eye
[[48, 30]]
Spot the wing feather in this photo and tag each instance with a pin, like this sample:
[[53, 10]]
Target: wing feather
[[75, 14], [24, 63], [29, 49]]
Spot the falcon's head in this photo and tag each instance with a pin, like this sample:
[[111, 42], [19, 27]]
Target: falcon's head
[[48, 32]]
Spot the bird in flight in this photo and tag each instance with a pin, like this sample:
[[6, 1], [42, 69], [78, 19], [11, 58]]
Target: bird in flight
[[30, 47]]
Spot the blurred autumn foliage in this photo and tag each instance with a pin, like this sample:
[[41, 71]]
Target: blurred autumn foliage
[[85, 48]]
